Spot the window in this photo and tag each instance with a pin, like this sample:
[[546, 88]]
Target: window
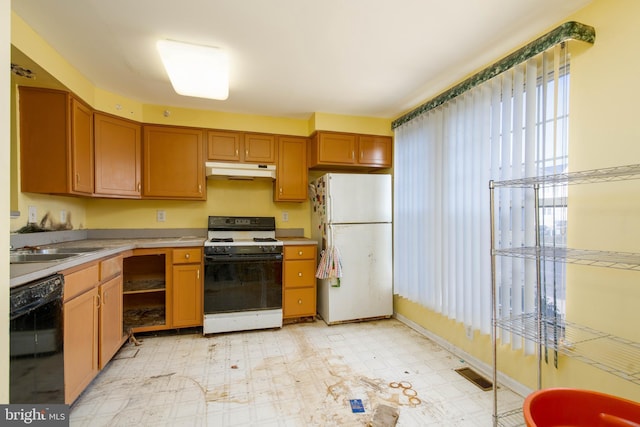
[[511, 126]]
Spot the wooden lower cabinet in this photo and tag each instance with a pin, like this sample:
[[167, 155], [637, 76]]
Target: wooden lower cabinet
[[145, 290], [163, 289], [299, 281], [112, 335], [92, 314], [187, 287], [81, 328]]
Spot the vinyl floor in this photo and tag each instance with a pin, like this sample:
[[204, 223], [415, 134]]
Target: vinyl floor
[[304, 374]]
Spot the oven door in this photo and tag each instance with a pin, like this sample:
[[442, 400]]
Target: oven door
[[242, 283]]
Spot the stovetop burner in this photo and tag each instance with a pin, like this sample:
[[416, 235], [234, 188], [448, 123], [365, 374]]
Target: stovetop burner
[[224, 231]]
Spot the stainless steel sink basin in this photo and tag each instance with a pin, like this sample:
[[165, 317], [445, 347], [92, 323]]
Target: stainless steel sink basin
[[39, 257], [62, 250]]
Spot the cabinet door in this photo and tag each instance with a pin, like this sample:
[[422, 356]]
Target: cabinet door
[[291, 171], [80, 343], [173, 163], [81, 148], [44, 115], [259, 148], [187, 295], [117, 156], [223, 145], [336, 148], [299, 302], [111, 333], [374, 150]]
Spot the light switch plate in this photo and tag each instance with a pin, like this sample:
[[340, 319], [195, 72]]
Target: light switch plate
[[161, 215]]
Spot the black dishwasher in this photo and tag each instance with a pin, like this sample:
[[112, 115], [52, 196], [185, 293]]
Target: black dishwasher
[[36, 363]]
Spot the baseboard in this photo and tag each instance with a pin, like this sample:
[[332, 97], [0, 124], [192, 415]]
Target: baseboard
[[477, 364]]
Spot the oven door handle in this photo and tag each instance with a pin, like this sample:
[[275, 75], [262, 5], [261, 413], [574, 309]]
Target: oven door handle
[[210, 259]]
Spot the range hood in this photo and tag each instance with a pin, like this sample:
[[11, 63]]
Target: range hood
[[240, 171]]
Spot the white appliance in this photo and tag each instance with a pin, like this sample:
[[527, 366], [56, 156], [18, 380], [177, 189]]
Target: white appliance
[[242, 275], [353, 213]]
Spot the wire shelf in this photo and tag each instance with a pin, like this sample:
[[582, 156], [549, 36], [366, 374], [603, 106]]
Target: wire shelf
[[513, 418], [618, 173], [607, 352], [619, 260]]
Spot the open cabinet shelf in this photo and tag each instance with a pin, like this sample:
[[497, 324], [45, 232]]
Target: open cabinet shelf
[[615, 355]]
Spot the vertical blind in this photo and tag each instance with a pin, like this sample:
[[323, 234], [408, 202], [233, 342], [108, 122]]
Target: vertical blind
[[511, 126]]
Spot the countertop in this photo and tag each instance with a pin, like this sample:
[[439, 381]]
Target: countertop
[[27, 272]]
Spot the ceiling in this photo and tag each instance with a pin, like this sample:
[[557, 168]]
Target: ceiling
[[290, 58]]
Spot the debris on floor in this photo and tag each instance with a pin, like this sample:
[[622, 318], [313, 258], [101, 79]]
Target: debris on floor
[[384, 416]]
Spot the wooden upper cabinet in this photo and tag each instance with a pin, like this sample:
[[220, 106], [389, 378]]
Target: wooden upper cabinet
[[259, 148], [350, 151], [225, 146], [291, 173], [330, 148], [81, 147], [230, 146], [173, 163], [118, 161], [56, 142], [375, 150]]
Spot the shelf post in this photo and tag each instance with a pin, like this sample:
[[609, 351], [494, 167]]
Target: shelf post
[[494, 313], [536, 219]]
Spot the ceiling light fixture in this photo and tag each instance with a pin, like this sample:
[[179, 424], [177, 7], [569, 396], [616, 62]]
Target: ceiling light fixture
[[196, 70]]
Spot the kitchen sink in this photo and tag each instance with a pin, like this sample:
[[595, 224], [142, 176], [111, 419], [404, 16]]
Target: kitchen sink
[[38, 257], [28, 254], [82, 250]]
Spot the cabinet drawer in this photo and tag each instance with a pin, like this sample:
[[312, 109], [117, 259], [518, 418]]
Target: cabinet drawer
[[80, 281], [110, 267], [187, 256], [300, 252], [299, 302], [299, 273]]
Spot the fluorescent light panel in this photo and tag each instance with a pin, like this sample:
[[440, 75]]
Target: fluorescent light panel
[[196, 70]]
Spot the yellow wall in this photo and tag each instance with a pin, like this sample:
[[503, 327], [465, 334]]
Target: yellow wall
[[5, 138], [603, 133]]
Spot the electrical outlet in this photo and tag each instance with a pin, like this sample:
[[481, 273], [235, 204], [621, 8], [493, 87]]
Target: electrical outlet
[[285, 216], [33, 214], [161, 215], [63, 216]]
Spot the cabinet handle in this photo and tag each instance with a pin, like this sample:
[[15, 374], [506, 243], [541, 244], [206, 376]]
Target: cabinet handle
[[299, 274], [353, 154], [139, 186], [98, 303], [77, 178], [361, 154], [280, 190], [300, 253], [198, 274], [246, 152], [199, 188], [187, 256], [300, 301], [236, 151]]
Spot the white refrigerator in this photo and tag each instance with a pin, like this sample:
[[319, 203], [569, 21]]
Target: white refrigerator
[[352, 213]]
